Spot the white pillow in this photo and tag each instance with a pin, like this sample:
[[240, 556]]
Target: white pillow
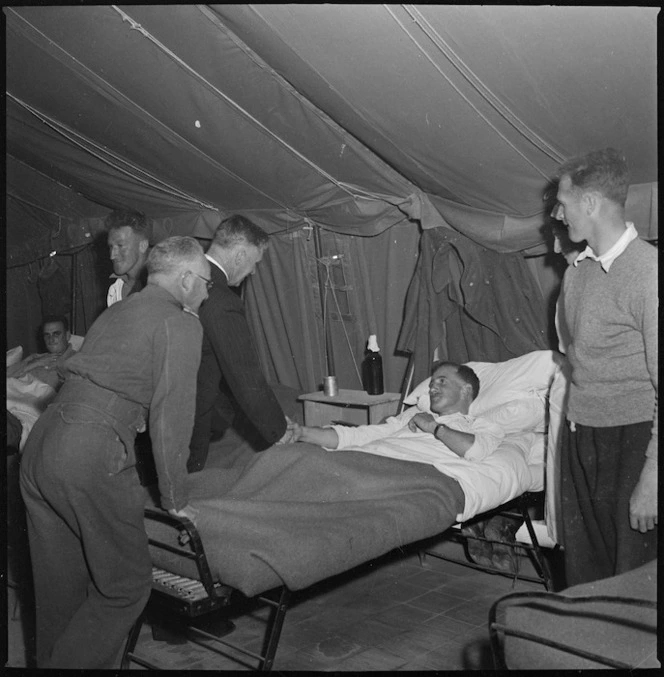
[[76, 341], [501, 382], [520, 415], [14, 356]]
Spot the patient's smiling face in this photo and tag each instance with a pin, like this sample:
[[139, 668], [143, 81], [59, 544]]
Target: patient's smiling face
[[448, 392]]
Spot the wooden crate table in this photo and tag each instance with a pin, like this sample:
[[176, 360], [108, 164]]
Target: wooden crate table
[[350, 406]]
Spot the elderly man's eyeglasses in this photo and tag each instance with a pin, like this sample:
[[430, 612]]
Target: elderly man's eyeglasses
[[208, 283]]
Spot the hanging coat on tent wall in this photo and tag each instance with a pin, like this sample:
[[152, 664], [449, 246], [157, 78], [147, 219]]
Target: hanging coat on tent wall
[[54, 289]]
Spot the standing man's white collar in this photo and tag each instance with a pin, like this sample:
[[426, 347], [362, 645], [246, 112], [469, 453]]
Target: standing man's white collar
[[612, 254], [216, 263]]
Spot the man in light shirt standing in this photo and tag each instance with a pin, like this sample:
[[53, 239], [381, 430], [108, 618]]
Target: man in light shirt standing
[[128, 248]]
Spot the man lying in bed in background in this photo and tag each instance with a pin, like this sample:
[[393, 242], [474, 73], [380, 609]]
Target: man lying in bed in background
[[419, 436], [33, 382], [47, 366]]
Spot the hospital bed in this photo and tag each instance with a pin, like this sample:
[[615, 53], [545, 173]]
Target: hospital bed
[[28, 395], [297, 514]]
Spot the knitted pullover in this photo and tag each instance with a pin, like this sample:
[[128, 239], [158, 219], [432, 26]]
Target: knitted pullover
[[612, 320]]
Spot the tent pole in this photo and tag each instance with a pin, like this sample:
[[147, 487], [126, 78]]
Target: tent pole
[[74, 259], [322, 287]]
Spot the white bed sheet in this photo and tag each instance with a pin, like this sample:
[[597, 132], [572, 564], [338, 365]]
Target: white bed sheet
[[500, 477], [27, 398], [516, 466]]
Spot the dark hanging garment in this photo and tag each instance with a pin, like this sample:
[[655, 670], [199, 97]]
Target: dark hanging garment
[[54, 290], [471, 303]]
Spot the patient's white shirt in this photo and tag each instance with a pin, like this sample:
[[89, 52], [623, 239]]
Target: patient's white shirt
[[114, 294], [394, 438], [484, 480]]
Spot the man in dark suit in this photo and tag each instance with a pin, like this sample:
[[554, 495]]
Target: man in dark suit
[[230, 368]]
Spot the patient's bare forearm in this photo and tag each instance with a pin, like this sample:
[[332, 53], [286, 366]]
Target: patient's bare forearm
[[324, 437]]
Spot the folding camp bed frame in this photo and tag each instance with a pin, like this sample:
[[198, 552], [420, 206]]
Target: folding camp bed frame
[[190, 598], [517, 509], [199, 595]]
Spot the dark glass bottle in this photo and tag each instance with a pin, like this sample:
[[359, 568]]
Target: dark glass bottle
[[372, 368]]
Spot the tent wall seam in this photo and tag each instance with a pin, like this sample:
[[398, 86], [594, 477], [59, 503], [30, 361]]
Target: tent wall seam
[[481, 88], [172, 132], [46, 177], [352, 189], [327, 119], [284, 84], [32, 204], [136, 26], [455, 87], [56, 126], [80, 141]]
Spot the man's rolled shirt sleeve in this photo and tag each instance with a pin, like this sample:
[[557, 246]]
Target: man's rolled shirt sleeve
[[357, 436], [487, 438]]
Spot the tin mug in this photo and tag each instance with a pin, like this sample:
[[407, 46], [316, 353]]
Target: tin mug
[[330, 386]]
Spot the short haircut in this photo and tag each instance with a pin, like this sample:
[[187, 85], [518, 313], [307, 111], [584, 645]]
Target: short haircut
[[121, 218], [170, 254], [465, 373], [238, 229], [603, 170], [50, 319]]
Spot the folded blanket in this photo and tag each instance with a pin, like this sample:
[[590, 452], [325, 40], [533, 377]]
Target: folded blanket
[[296, 514], [615, 630]]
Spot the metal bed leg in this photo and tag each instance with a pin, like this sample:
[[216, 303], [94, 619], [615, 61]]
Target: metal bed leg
[[541, 565], [265, 659], [273, 633], [192, 597], [534, 549], [132, 639]]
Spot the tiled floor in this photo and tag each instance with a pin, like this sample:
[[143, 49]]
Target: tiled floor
[[392, 614]]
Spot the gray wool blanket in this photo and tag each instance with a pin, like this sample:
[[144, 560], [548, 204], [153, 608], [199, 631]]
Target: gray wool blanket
[[296, 514]]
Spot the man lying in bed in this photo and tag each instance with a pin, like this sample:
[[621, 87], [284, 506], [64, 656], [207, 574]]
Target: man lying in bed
[[297, 513], [47, 367], [419, 436]]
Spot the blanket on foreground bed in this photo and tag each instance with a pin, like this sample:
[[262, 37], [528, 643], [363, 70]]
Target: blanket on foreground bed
[[297, 514]]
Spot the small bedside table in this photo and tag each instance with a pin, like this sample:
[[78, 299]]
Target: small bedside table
[[351, 406]]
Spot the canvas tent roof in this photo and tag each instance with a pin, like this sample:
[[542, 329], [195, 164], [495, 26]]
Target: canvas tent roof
[[354, 117]]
